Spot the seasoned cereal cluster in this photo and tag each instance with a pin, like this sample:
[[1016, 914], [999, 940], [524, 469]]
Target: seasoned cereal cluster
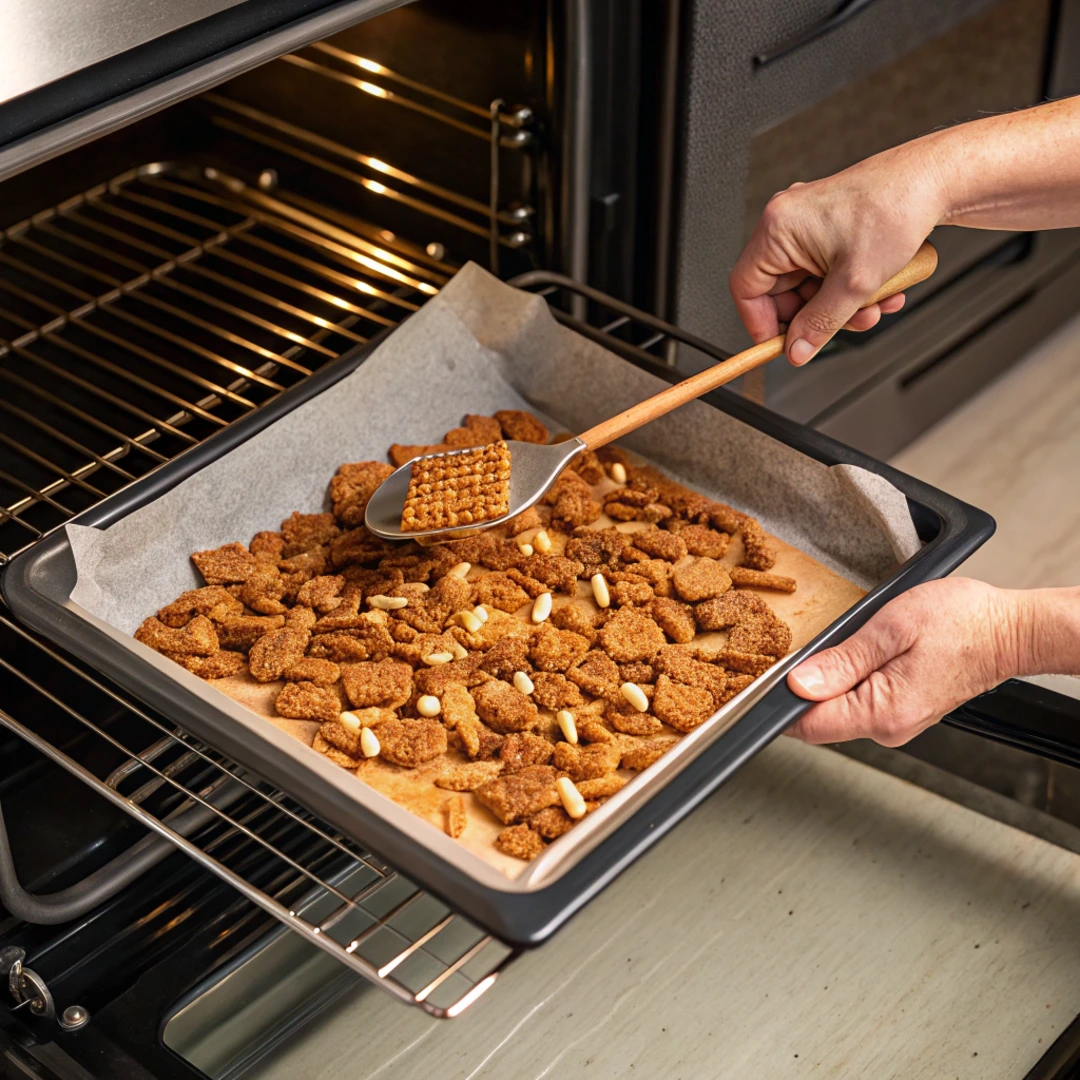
[[428, 659], [465, 487]]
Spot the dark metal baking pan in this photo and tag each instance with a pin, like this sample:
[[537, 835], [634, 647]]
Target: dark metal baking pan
[[38, 583]]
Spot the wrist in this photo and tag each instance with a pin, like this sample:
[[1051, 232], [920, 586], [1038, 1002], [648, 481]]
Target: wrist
[[943, 183], [1046, 631]]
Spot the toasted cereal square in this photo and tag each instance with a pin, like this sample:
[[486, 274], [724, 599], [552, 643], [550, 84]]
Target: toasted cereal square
[[529, 585], [196, 638], [435, 680], [527, 519], [240, 632], [629, 635], [504, 708], [587, 762], [628, 721], [551, 823], [387, 684], [631, 593], [226, 564], [761, 579], [594, 731], [352, 646], [267, 545], [557, 572], [760, 551], [322, 592], [456, 817], [478, 740], [572, 510], [273, 653], [602, 787], [638, 672], [464, 487], [303, 532], [264, 590], [457, 705], [576, 618], [520, 795], [309, 669], [497, 590], [729, 609], [468, 777], [597, 674], [660, 544], [337, 734], [199, 602], [702, 540], [219, 665], [306, 701], [597, 549], [411, 742], [506, 657], [353, 546], [477, 431], [521, 426], [746, 663], [557, 650], [674, 618], [681, 707], [522, 749], [402, 455], [338, 757], [554, 691], [641, 753], [703, 579], [766, 635], [519, 841], [353, 486]]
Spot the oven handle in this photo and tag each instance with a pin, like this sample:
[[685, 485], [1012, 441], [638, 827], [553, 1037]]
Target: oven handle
[[844, 12], [104, 883]]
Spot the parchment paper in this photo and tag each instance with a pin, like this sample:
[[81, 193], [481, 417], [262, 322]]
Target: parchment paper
[[477, 347]]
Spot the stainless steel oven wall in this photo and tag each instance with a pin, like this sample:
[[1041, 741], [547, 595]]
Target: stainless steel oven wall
[[778, 93]]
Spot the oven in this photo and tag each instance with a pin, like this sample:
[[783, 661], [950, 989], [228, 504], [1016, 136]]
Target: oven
[[201, 209]]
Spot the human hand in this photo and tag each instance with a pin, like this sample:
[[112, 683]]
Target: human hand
[[923, 654], [822, 249]]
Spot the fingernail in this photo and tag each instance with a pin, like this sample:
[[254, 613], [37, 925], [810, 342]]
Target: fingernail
[[801, 351], [808, 677]]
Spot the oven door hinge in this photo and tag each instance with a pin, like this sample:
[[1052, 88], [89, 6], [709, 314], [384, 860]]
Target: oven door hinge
[[28, 989]]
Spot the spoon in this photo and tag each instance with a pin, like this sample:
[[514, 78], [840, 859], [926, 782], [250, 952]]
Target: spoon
[[534, 467]]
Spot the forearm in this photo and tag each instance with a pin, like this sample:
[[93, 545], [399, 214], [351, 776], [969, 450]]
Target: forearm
[[1018, 170], [1046, 631]]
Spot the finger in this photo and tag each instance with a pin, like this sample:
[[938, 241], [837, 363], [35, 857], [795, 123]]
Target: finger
[[791, 281], [866, 319], [750, 284], [842, 293], [787, 304], [892, 304], [835, 671]]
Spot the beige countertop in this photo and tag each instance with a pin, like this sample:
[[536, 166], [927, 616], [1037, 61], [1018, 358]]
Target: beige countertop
[[814, 918]]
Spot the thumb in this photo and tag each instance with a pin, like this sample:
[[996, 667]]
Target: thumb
[[835, 671], [842, 293]]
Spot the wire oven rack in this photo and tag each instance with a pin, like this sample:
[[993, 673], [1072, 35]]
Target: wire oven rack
[[147, 313]]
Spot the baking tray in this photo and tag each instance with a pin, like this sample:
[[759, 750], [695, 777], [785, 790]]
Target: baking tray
[[37, 585]]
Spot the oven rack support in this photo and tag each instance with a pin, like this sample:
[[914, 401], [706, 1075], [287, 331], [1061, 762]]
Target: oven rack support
[[322, 885]]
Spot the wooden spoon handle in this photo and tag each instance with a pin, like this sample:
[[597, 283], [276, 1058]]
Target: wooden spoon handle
[[919, 269]]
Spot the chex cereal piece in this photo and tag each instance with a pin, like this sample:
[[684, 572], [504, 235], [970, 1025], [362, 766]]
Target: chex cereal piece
[[263, 591], [456, 817], [435, 680], [322, 592], [468, 777], [352, 546], [522, 749], [589, 467], [338, 757], [593, 731], [371, 642], [477, 739], [761, 579], [637, 672], [597, 549], [587, 762], [498, 590], [477, 431], [575, 618], [703, 540], [506, 657], [660, 543], [306, 701], [557, 650], [226, 564], [729, 609], [572, 510], [520, 841], [767, 635], [387, 684], [674, 618], [681, 707], [526, 520], [345, 739], [631, 593], [219, 665], [196, 638], [521, 426], [685, 668], [273, 653], [629, 635], [457, 705], [520, 795], [199, 602], [267, 545], [300, 618], [528, 585], [597, 674], [353, 486], [703, 579], [602, 787], [751, 664], [760, 550], [503, 708], [551, 823], [303, 532], [400, 454], [309, 669], [627, 720], [554, 691], [240, 632], [411, 742], [641, 753], [735, 684], [462, 488], [724, 517], [556, 571]]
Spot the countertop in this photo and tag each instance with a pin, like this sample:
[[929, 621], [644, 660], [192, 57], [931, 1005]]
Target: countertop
[[816, 917]]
